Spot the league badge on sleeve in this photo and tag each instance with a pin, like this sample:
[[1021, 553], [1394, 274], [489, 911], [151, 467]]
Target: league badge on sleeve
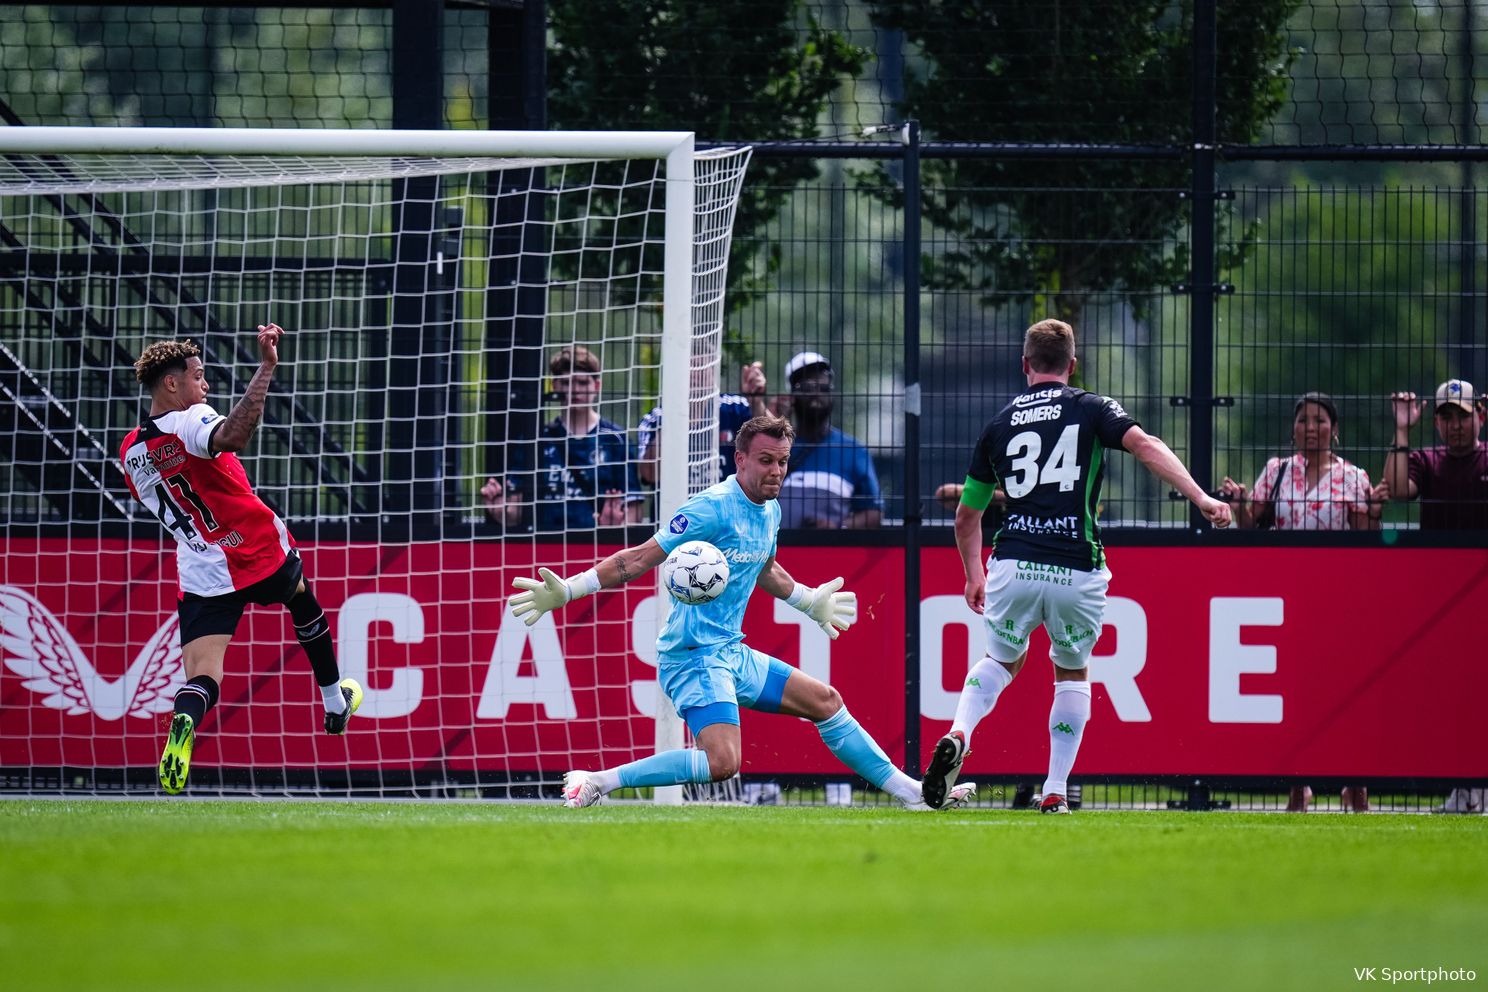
[[678, 524]]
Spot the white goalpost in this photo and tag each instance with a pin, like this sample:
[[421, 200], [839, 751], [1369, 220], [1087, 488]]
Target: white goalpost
[[417, 441]]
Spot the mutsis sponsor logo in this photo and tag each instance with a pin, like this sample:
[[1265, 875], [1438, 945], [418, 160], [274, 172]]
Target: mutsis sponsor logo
[[40, 650]]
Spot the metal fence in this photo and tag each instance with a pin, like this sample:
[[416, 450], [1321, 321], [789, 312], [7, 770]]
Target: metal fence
[[1236, 206]]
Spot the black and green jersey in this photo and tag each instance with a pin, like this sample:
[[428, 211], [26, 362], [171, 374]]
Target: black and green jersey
[[1045, 449]]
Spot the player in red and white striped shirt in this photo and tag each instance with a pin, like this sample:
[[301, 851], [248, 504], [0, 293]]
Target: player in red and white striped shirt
[[231, 549]]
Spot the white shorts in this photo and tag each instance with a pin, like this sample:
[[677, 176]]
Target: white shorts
[[1071, 605]]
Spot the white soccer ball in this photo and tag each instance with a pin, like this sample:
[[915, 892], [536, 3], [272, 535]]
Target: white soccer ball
[[695, 572]]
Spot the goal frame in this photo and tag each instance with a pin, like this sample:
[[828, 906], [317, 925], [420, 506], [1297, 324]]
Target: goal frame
[[675, 148]]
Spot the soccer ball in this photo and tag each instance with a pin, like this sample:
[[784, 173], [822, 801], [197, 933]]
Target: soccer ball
[[695, 572]]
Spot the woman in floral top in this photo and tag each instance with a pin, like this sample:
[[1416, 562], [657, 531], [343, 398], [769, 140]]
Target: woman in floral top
[[1312, 489]]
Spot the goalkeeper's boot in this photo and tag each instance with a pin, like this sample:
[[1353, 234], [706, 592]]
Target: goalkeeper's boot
[[1054, 803], [579, 790], [176, 759], [945, 765], [959, 796], [351, 691]]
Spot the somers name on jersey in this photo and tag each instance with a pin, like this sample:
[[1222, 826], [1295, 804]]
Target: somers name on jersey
[[1036, 415]]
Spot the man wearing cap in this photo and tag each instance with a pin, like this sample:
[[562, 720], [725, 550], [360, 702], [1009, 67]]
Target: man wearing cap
[[830, 482], [1450, 479]]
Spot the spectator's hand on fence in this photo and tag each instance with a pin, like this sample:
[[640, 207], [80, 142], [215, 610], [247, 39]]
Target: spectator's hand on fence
[[1407, 409], [948, 494], [752, 380], [611, 510], [1233, 492], [1377, 498]]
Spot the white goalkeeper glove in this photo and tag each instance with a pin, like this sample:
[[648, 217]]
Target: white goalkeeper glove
[[834, 611], [548, 592]]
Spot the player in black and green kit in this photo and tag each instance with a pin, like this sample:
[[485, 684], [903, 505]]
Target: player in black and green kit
[[1046, 451]]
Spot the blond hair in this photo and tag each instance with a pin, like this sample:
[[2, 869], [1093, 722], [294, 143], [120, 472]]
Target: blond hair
[[1049, 347]]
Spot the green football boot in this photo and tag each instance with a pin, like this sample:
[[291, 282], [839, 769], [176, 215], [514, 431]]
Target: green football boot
[[176, 759]]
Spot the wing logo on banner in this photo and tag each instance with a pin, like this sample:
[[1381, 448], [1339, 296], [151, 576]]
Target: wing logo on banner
[[39, 649]]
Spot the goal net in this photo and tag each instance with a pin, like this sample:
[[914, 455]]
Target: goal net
[[477, 322]]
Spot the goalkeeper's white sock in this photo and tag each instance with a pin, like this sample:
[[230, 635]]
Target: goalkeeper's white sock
[[984, 683], [1067, 718]]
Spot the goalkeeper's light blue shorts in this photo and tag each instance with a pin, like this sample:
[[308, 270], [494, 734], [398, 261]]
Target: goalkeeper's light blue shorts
[[708, 686]]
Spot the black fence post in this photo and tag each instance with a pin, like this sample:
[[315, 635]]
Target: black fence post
[[912, 499], [1467, 257], [1203, 285], [516, 302], [419, 347]]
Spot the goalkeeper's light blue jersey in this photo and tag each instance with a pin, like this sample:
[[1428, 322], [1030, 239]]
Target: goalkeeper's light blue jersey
[[745, 532]]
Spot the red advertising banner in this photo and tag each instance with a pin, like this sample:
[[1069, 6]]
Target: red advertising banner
[[1254, 661]]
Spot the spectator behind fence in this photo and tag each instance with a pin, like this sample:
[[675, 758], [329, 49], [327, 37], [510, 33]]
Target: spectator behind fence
[[1450, 480], [831, 482], [584, 477], [1312, 489], [734, 410]]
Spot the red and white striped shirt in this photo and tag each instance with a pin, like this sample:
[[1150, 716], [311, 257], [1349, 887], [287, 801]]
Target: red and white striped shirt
[[226, 538]]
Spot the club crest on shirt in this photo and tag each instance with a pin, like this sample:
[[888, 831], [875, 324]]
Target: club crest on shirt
[[678, 524]]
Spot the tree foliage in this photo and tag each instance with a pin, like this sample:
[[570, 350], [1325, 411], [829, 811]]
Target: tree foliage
[[729, 71], [1116, 71]]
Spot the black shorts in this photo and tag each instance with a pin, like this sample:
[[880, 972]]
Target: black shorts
[[202, 616]]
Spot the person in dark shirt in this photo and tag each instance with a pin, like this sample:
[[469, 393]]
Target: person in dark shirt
[[832, 483], [1046, 451], [1450, 479], [584, 477]]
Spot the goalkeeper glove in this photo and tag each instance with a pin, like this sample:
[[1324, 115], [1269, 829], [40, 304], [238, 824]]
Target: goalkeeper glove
[[831, 609], [551, 592]]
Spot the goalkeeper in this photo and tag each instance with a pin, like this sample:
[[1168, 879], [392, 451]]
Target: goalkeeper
[[705, 668]]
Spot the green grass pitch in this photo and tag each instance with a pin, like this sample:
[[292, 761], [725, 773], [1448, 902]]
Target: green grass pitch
[[271, 895]]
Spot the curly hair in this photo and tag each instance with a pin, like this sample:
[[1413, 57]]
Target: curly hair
[[162, 357]]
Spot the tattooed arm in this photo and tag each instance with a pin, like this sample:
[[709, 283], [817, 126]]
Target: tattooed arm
[[237, 429], [622, 566]]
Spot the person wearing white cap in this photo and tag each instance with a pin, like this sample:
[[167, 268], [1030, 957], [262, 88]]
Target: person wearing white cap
[[831, 482], [1450, 479]]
